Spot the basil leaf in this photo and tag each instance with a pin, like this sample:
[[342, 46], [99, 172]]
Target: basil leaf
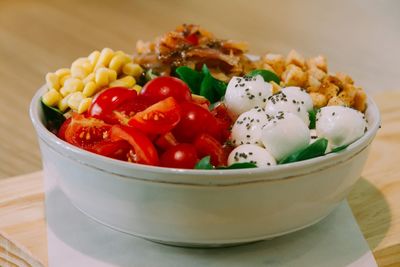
[[266, 74], [204, 164], [312, 115], [53, 117], [240, 165], [211, 88], [339, 148], [313, 150], [191, 77]]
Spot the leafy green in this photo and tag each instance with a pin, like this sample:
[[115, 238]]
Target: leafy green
[[150, 75], [202, 83], [266, 74], [53, 117], [191, 77], [240, 165], [312, 115], [204, 164], [313, 150], [339, 148]]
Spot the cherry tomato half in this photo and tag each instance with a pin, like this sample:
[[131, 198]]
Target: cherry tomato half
[[180, 156], [206, 145], [115, 105], [159, 118], [166, 141], [144, 151], [166, 86], [92, 135]]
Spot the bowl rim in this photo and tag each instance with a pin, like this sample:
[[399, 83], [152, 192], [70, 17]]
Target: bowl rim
[[268, 173]]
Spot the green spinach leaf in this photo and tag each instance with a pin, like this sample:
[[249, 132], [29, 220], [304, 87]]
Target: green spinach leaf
[[339, 148], [266, 74], [312, 115], [204, 164], [240, 165], [313, 150], [191, 77], [53, 117]]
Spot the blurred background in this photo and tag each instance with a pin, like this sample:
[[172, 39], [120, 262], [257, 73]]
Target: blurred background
[[359, 37]]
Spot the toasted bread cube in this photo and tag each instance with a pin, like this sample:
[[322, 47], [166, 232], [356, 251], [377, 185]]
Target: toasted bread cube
[[319, 100], [336, 101], [318, 62], [360, 100], [295, 58], [344, 78], [294, 76], [276, 61]]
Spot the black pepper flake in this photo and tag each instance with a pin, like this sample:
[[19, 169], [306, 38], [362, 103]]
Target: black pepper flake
[[248, 136], [268, 163]]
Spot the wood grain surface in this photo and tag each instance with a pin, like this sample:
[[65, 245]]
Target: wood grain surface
[[36, 37], [374, 200]]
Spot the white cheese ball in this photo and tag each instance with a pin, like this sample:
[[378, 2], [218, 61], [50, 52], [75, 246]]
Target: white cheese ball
[[247, 128], [243, 94], [340, 125], [253, 154], [282, 102], [295, 93], [285, 134]]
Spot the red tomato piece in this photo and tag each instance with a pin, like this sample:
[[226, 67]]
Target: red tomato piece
[[144, 151], [206, 145], [166, 141], [165, 86], [92, 135], [115, 105], [159, 118], [192, 39], [220, 112], [201, 101], [195, 120], [180, 156]]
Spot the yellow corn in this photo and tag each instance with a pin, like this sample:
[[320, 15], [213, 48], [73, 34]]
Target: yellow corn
[[74, 100], [127, 81], [63, 79], [89, 89], [94, 57], [101, 77], [104, 58], [89, 78], [52, 81], [112, 75], [51, 98], [137, 88], [63, 104], [84, 105], [62, 72], [71, 85], [78, 71], [118, 61], [132, 69]]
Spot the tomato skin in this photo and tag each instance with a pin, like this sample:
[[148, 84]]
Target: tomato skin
[[165, 86], [159, 118], [195, 120], [166, 141], [201, 101], [144, 149], [206, 145], [224, 121], [109, 103], [63, 128], [182, 156]]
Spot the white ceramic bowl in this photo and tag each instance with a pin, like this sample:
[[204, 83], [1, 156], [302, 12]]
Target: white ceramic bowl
[[202, 207]]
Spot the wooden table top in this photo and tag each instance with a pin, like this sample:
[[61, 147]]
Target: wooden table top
[[374, 200], [41, 36]]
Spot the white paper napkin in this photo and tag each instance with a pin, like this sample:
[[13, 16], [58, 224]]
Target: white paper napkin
[[76, 240]]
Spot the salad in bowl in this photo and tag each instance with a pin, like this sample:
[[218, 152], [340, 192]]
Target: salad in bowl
[[191, 141], [190, 100]]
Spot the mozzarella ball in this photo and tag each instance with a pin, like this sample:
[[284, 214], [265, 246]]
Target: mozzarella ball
[[302, 97], [340, 125], [243, 94], [282, 102], [253, 154], [247, 128], [285, 134]]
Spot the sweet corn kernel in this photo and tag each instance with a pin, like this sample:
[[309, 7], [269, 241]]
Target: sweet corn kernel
[[51, 98], [94, 57], [112, 75], [119, 52], [104, 58], [63, 79], [62, 72], [52, 81], [101, 77], [137, 88], [79, 71], [89, 78], [74, 100], [118, 61], [127, 81], [63, 104], [90, 89], [71, 85], [132, 69], [84, 105], [118, 83]]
